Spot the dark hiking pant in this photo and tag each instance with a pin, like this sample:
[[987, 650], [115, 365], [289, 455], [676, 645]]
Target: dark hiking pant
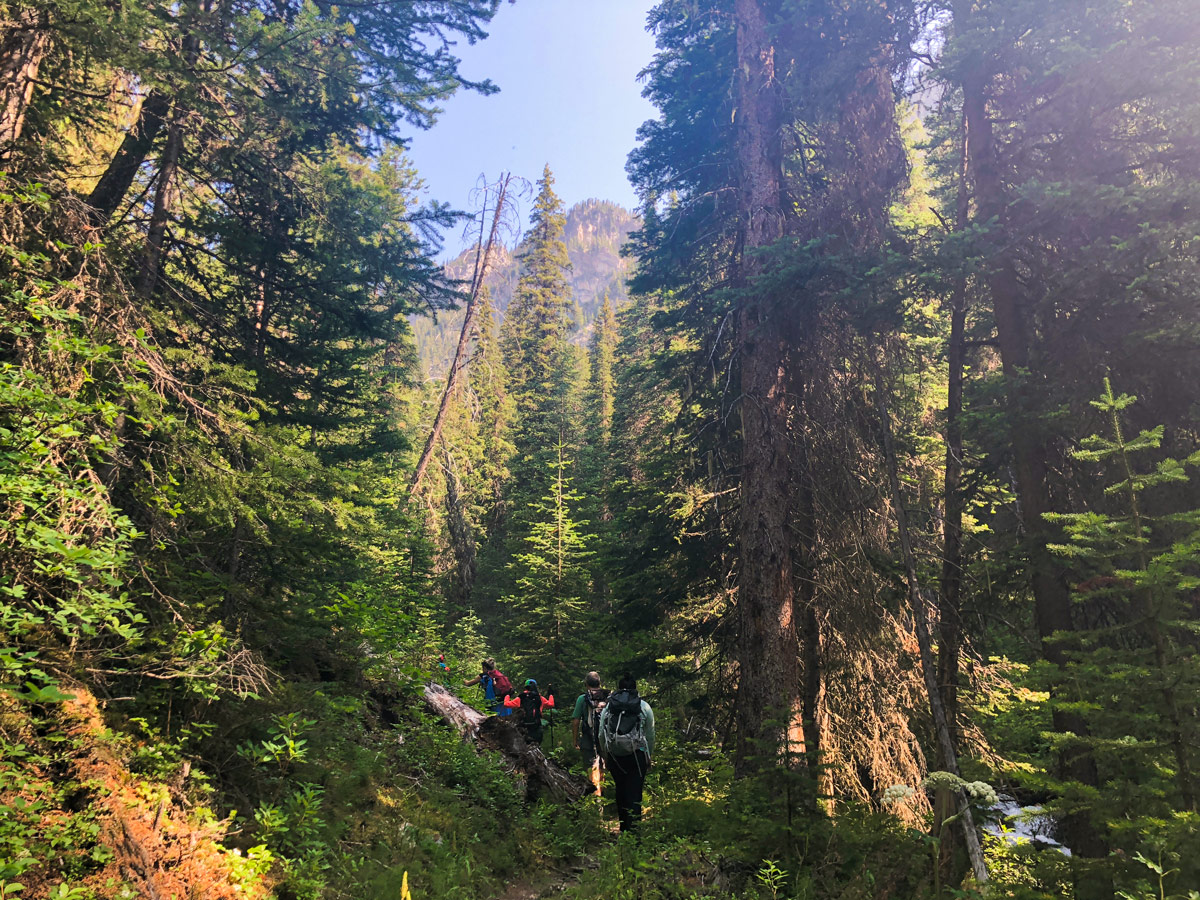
[[587, 752], [629, 774], [533, 732]]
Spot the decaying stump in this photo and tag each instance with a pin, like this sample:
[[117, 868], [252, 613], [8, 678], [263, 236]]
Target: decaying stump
[[543, 777]]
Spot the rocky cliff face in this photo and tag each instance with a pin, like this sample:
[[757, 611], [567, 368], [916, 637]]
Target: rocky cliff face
[[595, 231]]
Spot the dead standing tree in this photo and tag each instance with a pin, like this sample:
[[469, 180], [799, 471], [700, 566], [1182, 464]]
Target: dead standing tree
[[483, 254]]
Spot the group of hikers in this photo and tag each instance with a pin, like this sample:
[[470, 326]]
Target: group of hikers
[[612, 730]]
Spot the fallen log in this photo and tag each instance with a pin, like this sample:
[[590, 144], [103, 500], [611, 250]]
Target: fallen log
[[543, 777]]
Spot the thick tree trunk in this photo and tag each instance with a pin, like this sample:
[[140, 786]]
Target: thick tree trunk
[[1051, 593], [542, 777], [114, 184], [483, 256], [1014, 336], [941, 723], [769, 706], [24, 43]]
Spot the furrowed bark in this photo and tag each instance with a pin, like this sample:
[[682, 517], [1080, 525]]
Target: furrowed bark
[[482, 260], [24, 44], [769, 707], [924, 642]]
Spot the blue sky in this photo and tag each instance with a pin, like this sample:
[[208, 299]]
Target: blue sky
[[569, 96]]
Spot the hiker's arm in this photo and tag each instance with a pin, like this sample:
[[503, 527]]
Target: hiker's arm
[[648, 729], [575, 731], [513, 702], [474, 680], [548, 702]]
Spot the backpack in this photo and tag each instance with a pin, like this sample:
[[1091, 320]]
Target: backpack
[[593, 699], [623, 724], [501, 684], [531, 706]]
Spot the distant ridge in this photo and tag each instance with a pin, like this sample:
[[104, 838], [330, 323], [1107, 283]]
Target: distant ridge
[[595, 231]]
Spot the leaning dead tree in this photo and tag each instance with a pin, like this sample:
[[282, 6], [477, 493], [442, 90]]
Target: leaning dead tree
[[483, 256], [542, 777]]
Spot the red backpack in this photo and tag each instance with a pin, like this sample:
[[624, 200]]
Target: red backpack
[[501, 684]]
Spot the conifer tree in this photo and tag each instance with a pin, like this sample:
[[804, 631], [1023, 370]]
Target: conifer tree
[[542, 367], [493, 413], [536, 325], [596, 460], [1142, 565], [602, 353], [550, 575]]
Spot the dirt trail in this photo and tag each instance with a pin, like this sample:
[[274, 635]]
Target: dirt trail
[[551, 884]]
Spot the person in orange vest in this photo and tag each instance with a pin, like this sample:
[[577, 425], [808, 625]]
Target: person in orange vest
[[531, 703]]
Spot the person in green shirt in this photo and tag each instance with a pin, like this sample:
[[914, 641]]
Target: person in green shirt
[[585, 726], [627, 742]]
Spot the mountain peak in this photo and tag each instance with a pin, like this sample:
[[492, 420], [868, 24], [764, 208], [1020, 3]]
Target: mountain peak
[[594, 233]]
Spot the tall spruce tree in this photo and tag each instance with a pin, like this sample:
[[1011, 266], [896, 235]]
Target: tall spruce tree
[[550, 573], [536, 323], [602, 352], [542, 366]]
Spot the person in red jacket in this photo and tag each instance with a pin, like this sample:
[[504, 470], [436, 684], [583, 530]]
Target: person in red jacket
[[531, 703]]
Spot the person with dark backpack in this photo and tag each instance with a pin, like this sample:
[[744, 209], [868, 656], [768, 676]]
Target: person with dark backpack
[[532, 704], [627, 741], [585, 726]]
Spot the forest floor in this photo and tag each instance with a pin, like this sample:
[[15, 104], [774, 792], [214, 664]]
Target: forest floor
[[553, 882], [71, 806], [548, 884]]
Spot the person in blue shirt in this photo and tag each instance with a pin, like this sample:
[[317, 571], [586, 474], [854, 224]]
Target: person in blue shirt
[[486, 679]]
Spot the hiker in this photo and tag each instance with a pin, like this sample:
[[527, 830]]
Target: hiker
[[496, 687], [627, 741], [585, 726], [532, 704]]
